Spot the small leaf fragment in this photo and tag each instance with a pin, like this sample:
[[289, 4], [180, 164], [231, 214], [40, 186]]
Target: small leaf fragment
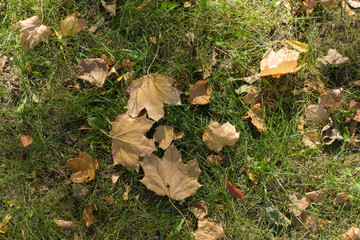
[[88, 215], [217, 136], [72, 25], [199, 209], [352, 234], [215, 160], [276, 216], [316, 196], [164, 135], [316, 114], [83, 168], [298, 46], [297, 204], [25, 140], [251, 175], [341, 197], [233, 191], [333, 98], [65, 224], [110, 6], [126, 192], [208, 230]]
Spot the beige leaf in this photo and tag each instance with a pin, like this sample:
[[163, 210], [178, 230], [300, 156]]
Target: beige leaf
[[199, 209], [316, 114], [357, 83], [200, 93], [129, 142], [88, 215], [217, 136], [72, 25], [316, 196], [333, 58], [298, 46], [348, 9], [297, 204], [331, 132], [83, 168], [333, 98], [354, 4], [151, 92], [187, 4], [65, 224], [310, 221], [25, 140], [110, 6], [279, 63], [341, 197], [116, 176], [94, 70], [169, 176], [32, 32], [208, 230], [257, 117], [164, 135], [352, 234]]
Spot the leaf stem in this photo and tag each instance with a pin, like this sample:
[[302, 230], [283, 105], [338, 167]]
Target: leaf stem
[[157, 51], [187, 225]]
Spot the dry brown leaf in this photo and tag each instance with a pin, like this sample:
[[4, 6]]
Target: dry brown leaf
[[355, 105], [333, 98], [310, 139], [200, 93], [164, 135], [179, 135], [309, 4], [331, 132], [129, 142], [110, 6], [4, 225], [65, 224], [32, 32], [353, 3], [311, 222], [257, 117], [215, 160], [341, 197], [76, 236], [199, 209], [297, 204], [116, 176], [316, 114], [187, 4], [208, 230], [94, 70], [357, 83], [25, 140], [279, 63], [252, 97], [88, 215], [352, 234], [329, 3], [333, 58], [151, 92], [217, 136], [348, 9], [83, 168], [169, 176], [72, 25], [110, 200], [316, 196]]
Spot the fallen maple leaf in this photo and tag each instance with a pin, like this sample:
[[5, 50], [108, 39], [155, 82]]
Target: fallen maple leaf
[[200, 93], [93, 70], [129, 142], [199, 209], [88, 215], [297, 204], [25, 140], [208, 230], [352, 234], [217, 136], [110, 6], [164, 135], [169, 176], [151, 92], [279, 63], [233, 191], [83, 168], [72, 25], [32, 32]]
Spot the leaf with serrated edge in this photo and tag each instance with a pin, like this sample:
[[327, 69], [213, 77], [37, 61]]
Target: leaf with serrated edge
[[151, 92], [169, 176], [129, 142]]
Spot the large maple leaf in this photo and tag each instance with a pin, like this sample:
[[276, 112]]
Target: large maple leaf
[[129, 142], [169, 176], [151, 92]]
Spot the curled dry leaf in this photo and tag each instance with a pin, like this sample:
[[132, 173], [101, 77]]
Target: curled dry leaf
[[164, 135], [200, 93], [309, 138], [93, 70], [298, 46], [316, 114], [257, 117], [333, 98], [83, 168], [169, 176], [352, 234], [151, 92], [32, 32], [316, 196], [25, 140], [110, 6], [65, 224], [333, 58], [208, 230], [129, 142], [233, 191], [251, 175], [88, 215], [331, 132], [297, 204], [279, 63], [348, 9], [217, 136], [341, 197], [72, 25], [199, 209]]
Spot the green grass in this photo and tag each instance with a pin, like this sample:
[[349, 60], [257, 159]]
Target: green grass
[[34, 186]]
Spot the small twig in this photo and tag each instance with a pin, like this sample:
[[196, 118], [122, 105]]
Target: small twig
[[227, 54], [181, 215], [157, 51], [232, 166]]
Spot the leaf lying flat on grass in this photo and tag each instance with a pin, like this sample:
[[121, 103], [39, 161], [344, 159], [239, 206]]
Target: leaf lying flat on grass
[[333, 58], [72, 25], [200, 93], [297, 204], [316, 196], [341, 197], [32, 32], [315, 113], [94, 70], [65, 224], [164, 135], [217, 136], [88, 215], [83, 168], [298, 46], [151, 92], [199, 209], [352, 234], [129, 142], [233, 191], [110, 6], [25, 140], [208, 230], [169, 176]]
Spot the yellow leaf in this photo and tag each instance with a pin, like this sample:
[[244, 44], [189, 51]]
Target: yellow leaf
[[83, 168], [251, 176], [298, 46], [72, 25]]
